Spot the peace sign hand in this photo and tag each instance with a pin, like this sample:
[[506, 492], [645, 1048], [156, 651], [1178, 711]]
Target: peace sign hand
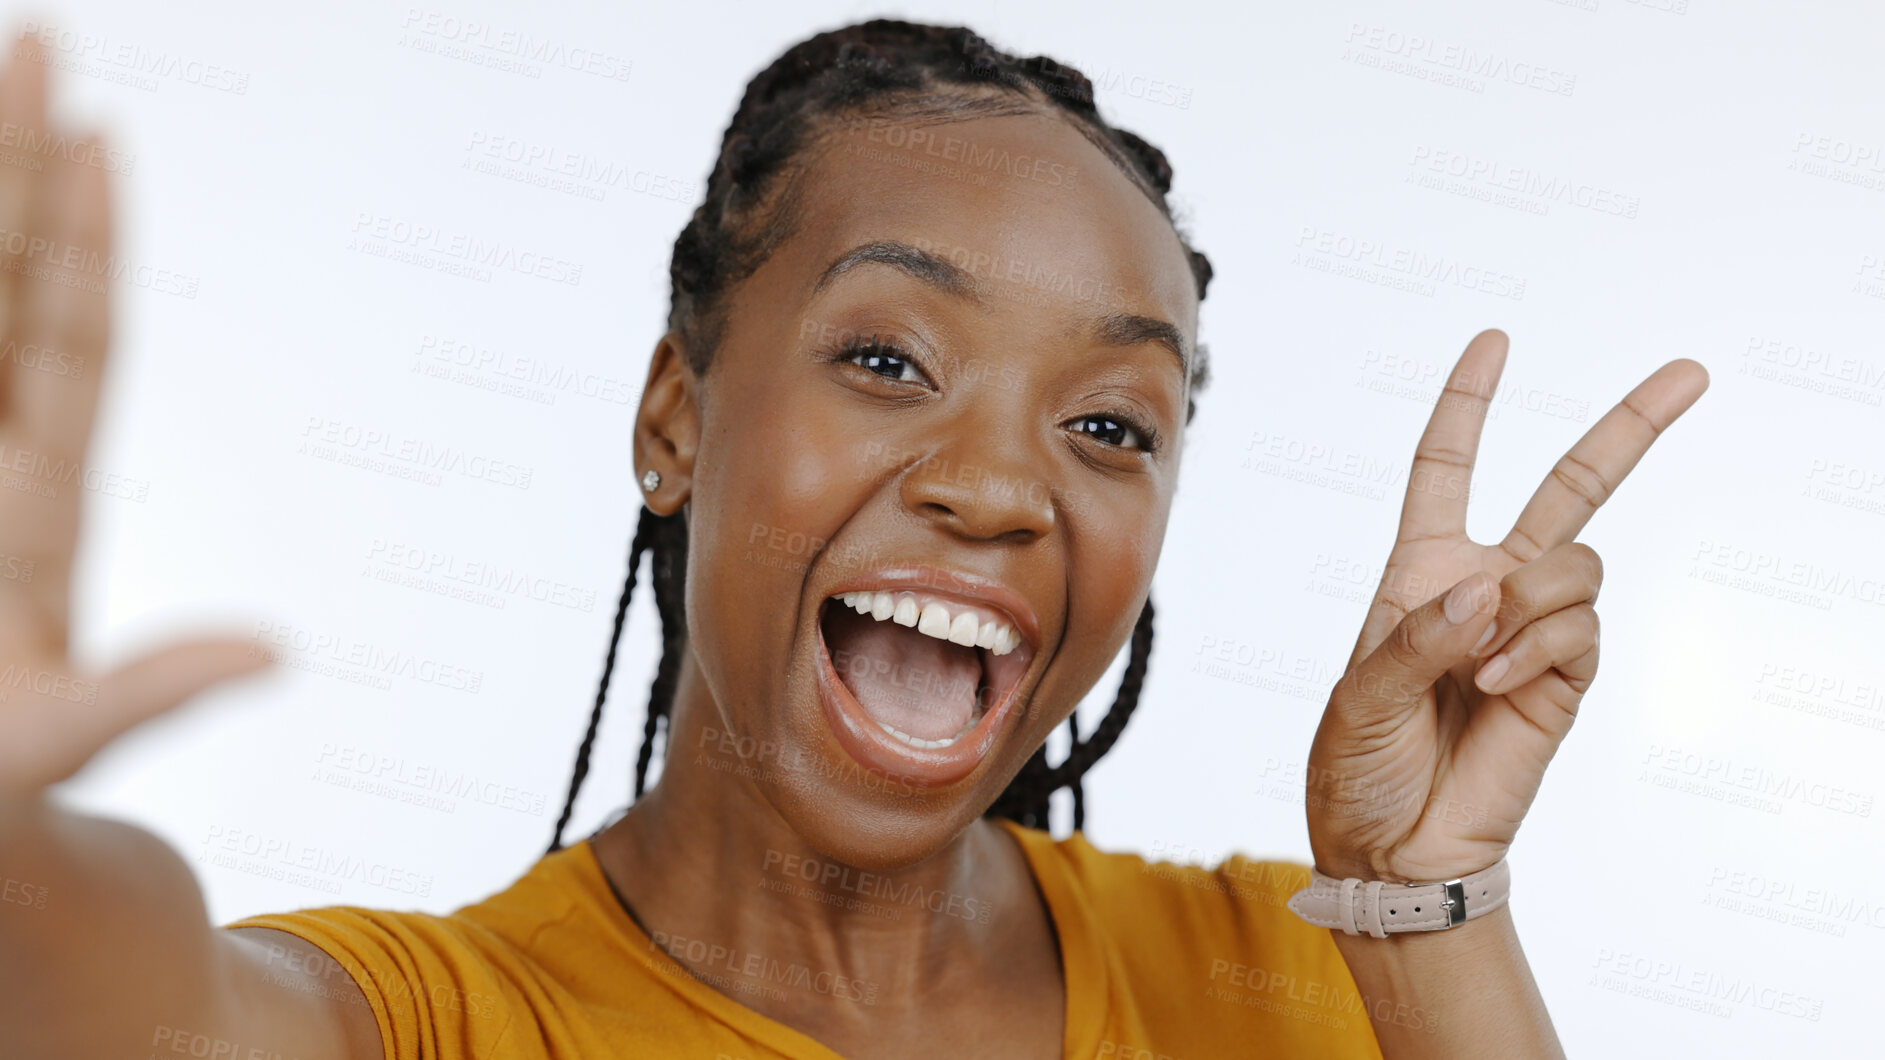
[[1434, 743]]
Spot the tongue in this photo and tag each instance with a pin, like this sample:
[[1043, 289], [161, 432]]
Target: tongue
[[907, 680]]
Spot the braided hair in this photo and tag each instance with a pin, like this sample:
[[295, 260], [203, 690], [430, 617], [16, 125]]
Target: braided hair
[[881, 67]]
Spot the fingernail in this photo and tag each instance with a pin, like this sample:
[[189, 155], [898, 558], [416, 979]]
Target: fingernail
[[1485, 638], [1463, 602], [1490, 673]]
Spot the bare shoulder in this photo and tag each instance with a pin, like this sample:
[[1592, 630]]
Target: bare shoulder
[[291, 998]]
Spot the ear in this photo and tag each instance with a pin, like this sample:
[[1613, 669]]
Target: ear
[[667, 427]]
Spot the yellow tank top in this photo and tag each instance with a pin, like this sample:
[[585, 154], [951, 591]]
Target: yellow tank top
[[1163, 962]]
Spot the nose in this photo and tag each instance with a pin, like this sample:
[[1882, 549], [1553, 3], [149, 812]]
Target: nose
[[991, 489]]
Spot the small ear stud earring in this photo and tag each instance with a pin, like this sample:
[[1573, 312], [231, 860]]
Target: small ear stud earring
[[651, 480]]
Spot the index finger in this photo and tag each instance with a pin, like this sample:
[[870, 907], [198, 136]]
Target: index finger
[[1586, 476], [1443, 460]]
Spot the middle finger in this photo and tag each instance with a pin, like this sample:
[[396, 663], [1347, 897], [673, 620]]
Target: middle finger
[[1585, 477]]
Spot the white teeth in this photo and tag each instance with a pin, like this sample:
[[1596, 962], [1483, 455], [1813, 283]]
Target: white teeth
[[934, 619], [962, 630], [919, 742], [905, 614]]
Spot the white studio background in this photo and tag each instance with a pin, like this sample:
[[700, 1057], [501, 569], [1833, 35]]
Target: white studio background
[[1615, 183]]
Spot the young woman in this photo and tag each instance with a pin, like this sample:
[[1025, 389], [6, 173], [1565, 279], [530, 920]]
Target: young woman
[[933, 316]]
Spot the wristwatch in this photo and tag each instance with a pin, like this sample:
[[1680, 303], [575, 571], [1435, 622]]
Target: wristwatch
[[1379, 909]]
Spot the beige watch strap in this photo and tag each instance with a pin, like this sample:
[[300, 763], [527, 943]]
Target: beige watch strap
[[1378, 909]]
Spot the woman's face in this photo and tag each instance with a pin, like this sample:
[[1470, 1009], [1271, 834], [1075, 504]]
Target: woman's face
[[958, 388]]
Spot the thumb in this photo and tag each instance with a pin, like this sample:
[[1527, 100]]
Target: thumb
[[50, 739], [1432, 639], [164, 679]]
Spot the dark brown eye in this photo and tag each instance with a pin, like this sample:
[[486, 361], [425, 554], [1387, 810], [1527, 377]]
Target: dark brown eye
[[882, 358], [1114, 430]]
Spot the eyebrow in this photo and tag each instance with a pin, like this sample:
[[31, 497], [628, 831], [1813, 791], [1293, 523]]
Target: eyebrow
[[1130, 329], [1114, 329], [921, 264]]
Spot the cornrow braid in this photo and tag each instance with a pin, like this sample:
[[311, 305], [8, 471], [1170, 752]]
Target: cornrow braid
[[880, 67], [665, 536], [670, 583]]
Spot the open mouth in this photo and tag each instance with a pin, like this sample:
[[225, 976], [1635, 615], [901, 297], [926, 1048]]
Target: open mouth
[[918, 683]]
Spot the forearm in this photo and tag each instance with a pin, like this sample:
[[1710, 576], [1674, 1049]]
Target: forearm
[[1460, 993], [113, 947]]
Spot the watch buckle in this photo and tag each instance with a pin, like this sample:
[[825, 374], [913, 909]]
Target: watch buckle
[[1455, 903]]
